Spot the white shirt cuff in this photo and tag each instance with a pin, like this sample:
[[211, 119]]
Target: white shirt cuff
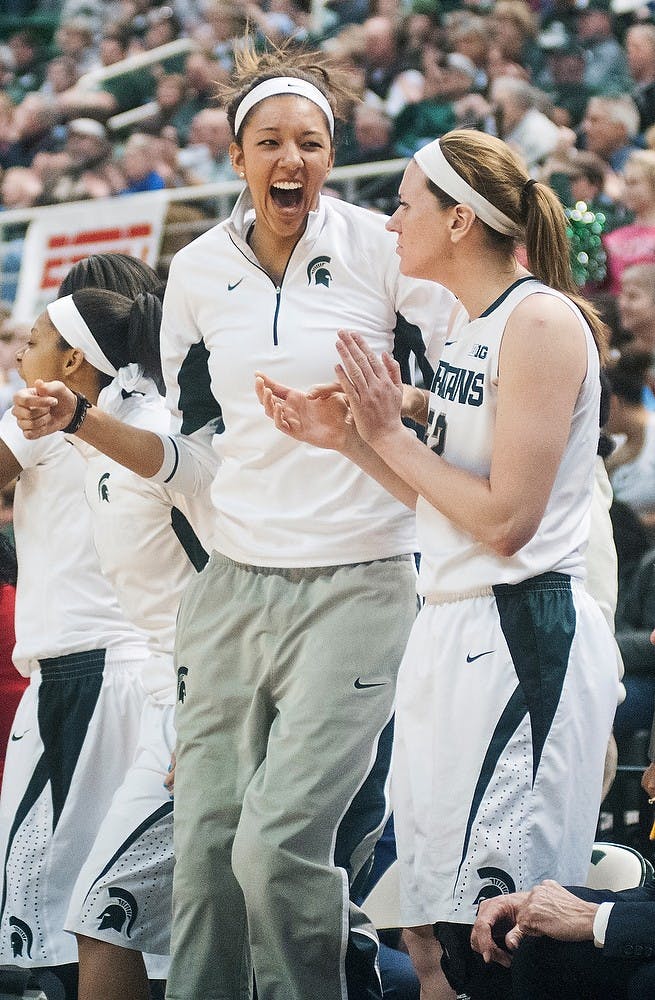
[[601, 921], [171, 460]]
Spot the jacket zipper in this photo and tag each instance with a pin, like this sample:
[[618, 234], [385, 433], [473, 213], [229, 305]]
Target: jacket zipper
[[278, 292], [278, 288]]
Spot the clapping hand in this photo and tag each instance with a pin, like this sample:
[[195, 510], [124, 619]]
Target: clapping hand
[[320, 417], [372, 386]]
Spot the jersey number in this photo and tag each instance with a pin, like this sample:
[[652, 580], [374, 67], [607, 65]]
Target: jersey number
[[439, 434]]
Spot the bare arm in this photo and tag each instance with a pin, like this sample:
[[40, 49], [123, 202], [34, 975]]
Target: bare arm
[[50, 406], [369, 462], [9, 465], [542, 364], [76, 103]]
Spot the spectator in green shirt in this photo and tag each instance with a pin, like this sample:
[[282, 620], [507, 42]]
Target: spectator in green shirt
[[448, 101]]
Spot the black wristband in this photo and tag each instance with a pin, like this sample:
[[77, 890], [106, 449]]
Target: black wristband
[[80, 413]]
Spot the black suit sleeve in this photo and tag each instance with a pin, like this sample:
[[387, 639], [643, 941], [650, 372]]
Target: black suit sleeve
[[631, 926]]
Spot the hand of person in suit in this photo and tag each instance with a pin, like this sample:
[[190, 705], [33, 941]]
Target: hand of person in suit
[[547, 910]]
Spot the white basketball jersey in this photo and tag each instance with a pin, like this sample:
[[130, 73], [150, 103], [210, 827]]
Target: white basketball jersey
[[461, 426]]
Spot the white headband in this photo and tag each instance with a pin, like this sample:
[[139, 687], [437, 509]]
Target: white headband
[[435, 165], [66, 317], [283, 85]]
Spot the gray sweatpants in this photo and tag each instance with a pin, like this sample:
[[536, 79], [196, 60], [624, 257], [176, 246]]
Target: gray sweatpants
[[286, 682]]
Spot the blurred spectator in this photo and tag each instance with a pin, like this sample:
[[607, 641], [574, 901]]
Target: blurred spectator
[[566, 86], [113, 45], [6, 66], [203, 74], [470, 37], [165, 159], [137, 161], [607, 65], [170, 97], [447, 101], [407, 88], [28, 64], [48, 167], [20, 187], [206, 158], [631, 466], [277, 20], [133, 16], [61, 74], [36, 131], [383, 59], [162, 26], [89, 170], [513, 28], [415, 33], [94, 13], [587, 181], [368, 137], [520, 122], [8, 133], [417, 29], [12, 684], [348, 50], [136, 13], [224, 27], [371, 140], [498, 65], [636, 307], [372, 135], [636, 600], [640, 49], [13, 336], [610, 127], [74, 39], [634, 243], [559, 22], [578, 175], [347, 12]]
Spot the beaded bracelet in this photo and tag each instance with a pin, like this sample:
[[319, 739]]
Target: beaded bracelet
[[80, 413]]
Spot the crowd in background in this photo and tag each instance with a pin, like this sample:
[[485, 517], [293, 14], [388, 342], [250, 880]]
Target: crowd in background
[[554, 80], [569, 84]]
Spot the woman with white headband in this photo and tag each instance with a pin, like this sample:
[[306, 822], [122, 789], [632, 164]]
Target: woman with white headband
[[288, 644], [106, 346], [508, 686], [84, 661]]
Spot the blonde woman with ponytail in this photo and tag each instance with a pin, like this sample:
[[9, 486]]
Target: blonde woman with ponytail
[[508, 686]]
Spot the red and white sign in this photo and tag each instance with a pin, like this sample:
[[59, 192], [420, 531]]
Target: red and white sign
[[64, 234]]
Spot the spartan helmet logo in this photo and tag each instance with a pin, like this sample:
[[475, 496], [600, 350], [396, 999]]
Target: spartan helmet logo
[[499, 884], [181, 683], [21, 938], [116, 914], [103, 487], [317, 270]]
